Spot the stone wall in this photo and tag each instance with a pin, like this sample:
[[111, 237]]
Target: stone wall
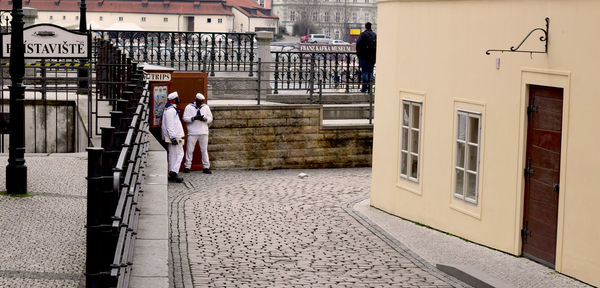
[[289, 136]]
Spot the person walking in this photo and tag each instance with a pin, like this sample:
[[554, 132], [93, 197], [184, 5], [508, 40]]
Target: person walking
[[172, 133], [197, 116], [366, 47]]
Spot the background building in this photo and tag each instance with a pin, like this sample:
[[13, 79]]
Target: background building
[[158, 15], [333, 17], [499, 149]]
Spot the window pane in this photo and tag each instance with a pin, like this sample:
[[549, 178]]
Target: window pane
[[460, 178], [461, 126], [404, 138], [414, 163], [403, 163], [414, 141], [405, 112], [472, 158], [471, 186], [416, 114], [460, 155], [473, 129]]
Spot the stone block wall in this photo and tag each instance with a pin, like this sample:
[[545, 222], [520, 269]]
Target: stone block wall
[[287, 136]]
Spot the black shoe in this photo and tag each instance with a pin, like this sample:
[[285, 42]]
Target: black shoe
[[174, 177], [206, 171], [186, 170]]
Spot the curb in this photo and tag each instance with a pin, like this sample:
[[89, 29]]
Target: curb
[[150, 256], [398, 246]]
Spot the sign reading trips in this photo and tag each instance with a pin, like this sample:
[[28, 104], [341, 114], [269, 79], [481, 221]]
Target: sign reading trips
[[326, 48], [50, 41]]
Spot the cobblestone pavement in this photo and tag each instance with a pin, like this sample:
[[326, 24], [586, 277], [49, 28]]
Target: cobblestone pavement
[[274, 229], [42, 236]]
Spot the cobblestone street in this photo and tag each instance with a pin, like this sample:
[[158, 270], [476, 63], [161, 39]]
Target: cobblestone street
[[274, 229]]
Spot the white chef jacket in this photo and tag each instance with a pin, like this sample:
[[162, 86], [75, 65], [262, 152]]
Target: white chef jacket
[[197, 127], [171, 125]]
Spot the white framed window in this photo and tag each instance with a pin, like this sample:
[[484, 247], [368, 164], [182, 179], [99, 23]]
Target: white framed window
[[76, 17], [326, 16], [166, 19], [337, 17], [121, 18], [208, 20], [51, 17], [467, 164], [292, 15], [315, 16], [143, 19], [220, 20], [100, 18], [410, 140], [64, 17]]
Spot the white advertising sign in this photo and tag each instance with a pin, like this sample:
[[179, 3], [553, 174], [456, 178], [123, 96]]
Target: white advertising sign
[[49, 41], [162, 77]]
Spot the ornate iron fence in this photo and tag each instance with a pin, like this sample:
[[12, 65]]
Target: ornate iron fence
[[114, 185], [187, 51], [303, 71]]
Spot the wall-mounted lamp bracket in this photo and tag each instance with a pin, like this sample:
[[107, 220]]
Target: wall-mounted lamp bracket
[[543, 38]]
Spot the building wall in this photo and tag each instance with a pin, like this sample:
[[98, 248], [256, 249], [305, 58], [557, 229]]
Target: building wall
[[262, 23], [434, 52], [153, 22], [289, 136], [366, 11]]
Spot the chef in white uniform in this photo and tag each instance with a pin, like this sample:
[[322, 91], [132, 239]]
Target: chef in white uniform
[[197, 117], [172, 132]]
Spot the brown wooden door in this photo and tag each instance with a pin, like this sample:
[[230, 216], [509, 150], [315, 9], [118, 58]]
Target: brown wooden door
[[542, 173], [190, 24]]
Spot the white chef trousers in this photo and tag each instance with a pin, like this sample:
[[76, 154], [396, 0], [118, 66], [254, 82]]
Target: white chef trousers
[[191, 144], [175, 157]]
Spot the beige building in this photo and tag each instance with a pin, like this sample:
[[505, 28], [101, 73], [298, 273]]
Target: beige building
[[162, 15], [499, 149], [333, 17]]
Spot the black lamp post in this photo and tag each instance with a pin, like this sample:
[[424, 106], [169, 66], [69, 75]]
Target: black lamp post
[[16, 171], [82, 73]]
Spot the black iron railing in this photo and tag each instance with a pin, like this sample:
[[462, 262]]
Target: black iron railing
[[187, 51], [304, 70], [55, 110], [114, 184]]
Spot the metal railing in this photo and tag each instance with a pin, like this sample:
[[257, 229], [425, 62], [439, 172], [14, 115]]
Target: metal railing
[[114, 185], [56, 111], [302, 70], [187, 51]]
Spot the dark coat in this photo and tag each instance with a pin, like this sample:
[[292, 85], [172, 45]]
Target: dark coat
[[366, 46]]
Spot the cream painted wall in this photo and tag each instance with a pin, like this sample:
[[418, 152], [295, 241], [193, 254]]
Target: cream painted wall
[[434, 51], [240, 22], [154, 22]]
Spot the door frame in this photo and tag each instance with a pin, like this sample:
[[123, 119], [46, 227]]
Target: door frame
[[551, 78]]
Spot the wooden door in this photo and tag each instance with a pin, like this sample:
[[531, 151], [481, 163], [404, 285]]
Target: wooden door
[[542, 173], [187, 84], [190, 24]]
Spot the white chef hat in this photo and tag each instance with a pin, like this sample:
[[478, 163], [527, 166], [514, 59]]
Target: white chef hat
[[200, 96], [173, 95]]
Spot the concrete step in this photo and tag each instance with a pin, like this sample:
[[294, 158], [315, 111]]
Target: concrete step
[[346, 111], [304, 98]]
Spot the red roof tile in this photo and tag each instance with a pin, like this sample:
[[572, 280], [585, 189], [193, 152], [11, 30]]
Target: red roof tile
[[251, 9], [152, 7]]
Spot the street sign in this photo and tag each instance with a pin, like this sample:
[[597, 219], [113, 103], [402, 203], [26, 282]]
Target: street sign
[[50, 41], [326, 48]]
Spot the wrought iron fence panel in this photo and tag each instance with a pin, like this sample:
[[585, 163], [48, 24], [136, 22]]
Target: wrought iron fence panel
[[187, 51], [294, 70], [56, 112]]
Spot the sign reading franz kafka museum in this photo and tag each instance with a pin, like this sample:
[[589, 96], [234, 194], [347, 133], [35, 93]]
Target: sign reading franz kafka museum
[[50, 41], [326, 48]]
